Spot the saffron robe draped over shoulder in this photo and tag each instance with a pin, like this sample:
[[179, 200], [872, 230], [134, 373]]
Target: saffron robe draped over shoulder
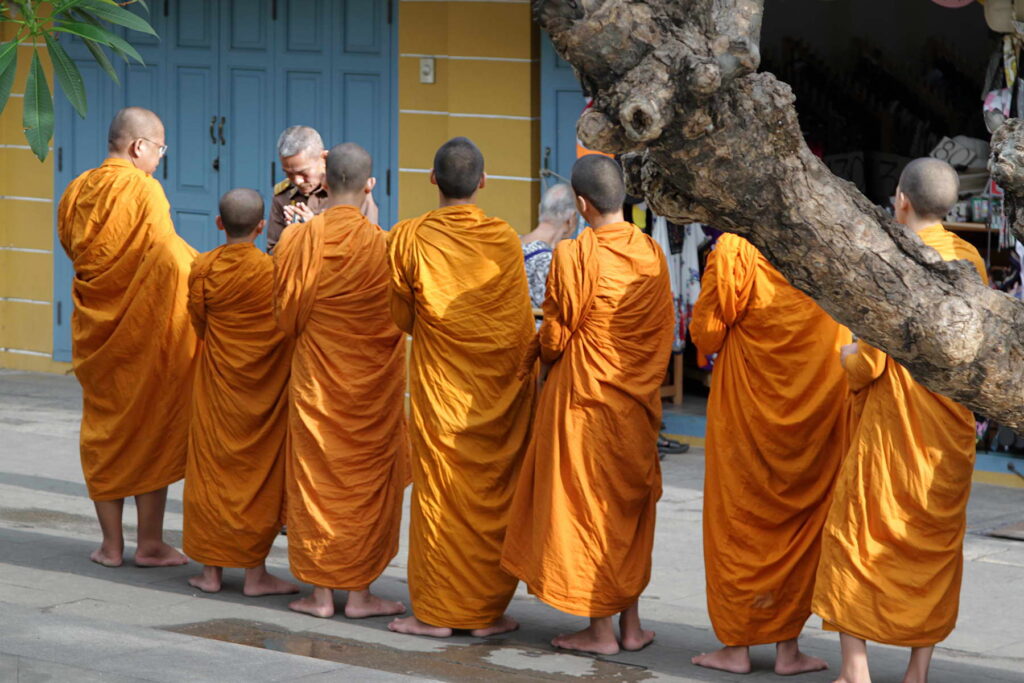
[[234, 482], [348, 454], [581, 529], [892, 550], [776, 429], [458, 286], [133, 348]]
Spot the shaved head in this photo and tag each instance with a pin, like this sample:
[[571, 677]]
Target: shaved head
[[598, 179], [931, 186], [133, 123], [349, 166], [241, 210], [458, 168]]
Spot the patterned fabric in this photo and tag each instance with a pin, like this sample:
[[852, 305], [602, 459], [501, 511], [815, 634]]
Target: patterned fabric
[[537, 257]]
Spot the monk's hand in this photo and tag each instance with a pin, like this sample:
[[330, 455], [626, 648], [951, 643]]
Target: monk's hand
[[847, 351]]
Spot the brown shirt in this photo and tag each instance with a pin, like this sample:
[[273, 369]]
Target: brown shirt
[[284, 194]]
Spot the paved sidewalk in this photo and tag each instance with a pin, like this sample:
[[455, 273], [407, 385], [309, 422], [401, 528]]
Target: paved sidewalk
[[63, 618]]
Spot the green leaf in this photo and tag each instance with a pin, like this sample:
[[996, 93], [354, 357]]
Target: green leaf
[[38, 115], [67, 75], [8, 67], [100, 35], [115, 15], [101, 58]]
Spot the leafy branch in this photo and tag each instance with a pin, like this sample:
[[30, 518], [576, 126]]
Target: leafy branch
[[92, 21]]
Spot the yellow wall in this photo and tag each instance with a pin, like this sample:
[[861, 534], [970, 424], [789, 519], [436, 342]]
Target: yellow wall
[[486, 88], [26, 239]]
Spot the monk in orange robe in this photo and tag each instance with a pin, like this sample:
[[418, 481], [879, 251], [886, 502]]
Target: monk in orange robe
[[133, 348], [234, 481], [892, 550], [581, 530], [348, 453], [458, 286], [775, 436]]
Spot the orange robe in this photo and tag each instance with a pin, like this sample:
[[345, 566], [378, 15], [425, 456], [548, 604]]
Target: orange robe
[[133, 348], [581, 528], [234, 482], [458, 286], [775, 436], [892, 550], [348, 453]]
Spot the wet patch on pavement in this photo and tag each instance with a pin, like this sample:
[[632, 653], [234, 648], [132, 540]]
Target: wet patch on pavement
[[497, 660]]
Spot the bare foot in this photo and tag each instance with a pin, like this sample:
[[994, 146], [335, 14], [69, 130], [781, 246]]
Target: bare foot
[[258, 581], [161, 555], [504, 624], [588, 641], [106, 557], [319, 603], [732, 659], [637, 641], [208, 581], [362, 604], [800, 664], [415, 627]]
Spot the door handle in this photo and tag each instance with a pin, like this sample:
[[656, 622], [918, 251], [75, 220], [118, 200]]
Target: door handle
[[213, 122], [220, 131]]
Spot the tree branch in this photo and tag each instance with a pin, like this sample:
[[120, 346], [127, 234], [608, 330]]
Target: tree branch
[[705, 138]]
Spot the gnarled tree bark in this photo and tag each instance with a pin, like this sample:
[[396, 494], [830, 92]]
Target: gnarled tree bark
[[706, 138]]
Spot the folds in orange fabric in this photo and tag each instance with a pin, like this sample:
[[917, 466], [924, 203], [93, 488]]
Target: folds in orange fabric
[[776, 432], [234, 482], [348, 454], [459, 287], [581, 529], [133, 348]]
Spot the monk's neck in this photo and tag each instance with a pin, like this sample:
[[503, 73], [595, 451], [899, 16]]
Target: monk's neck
[[918, 224], [444, 202], [355, 201], [607, 219], [248, 239]]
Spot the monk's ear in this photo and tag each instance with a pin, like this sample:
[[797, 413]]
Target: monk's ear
[[433, 178], [483, 181], [259, 227], [220, 224], [371, 183], [581, 205]]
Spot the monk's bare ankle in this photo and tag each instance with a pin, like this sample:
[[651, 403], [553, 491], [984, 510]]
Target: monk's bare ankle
[[734, 659], [108, 554], [789, 660], [158, 554], [362, 604], [413, 626], [320, 603], [504, 624], [259, 582], [598, 639], [632, 634], [209, 581]]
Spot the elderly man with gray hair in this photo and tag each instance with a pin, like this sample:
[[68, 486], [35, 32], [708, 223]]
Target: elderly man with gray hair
[[302, 195], [556, 221]]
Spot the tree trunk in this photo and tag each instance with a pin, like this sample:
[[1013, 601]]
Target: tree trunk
[[705, 138]]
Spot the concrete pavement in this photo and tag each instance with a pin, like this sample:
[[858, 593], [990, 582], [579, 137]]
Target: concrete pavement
[[63, 618]]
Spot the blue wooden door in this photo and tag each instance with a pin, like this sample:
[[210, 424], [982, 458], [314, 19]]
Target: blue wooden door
[[561, 102]]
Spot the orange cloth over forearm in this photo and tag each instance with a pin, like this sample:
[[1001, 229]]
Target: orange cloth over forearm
[[458, 281], [348, 459], [892, 548], [234, 483], [775, 436], [582, 521], [133, 348]]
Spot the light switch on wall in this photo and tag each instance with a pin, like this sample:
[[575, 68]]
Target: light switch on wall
[[426, 69]]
